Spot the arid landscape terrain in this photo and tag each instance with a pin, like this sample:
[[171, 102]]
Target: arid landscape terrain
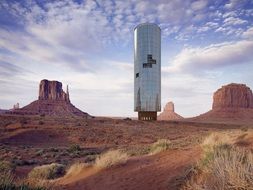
[[50, 144], [29, 141], [69, 149], [126, 95]]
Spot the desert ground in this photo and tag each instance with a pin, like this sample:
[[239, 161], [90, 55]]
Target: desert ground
[[30, 141]]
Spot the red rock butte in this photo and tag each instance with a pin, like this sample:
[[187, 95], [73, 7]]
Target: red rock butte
[[52, 100], [231, 102], [169, 113], [233, 96], [52, 90]]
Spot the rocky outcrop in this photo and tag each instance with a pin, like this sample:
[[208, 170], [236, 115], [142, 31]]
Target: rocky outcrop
[[233, 96], [169, 113], [232, 102], [52, 90], [52, 100]]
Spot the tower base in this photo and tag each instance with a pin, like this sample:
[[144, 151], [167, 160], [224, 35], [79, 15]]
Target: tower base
[[147, 115]]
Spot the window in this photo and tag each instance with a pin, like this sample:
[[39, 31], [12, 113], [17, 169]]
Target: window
[[150, 62], [136, 75]]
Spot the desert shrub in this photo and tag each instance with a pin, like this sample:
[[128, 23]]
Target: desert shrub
[[6, 178], [111, 158], [6, 181], [6, 167], [50, 171], [76, 168], [215, 139], [35, 184], [223, 166], [90, 158], [138, 151], [74, 148], [210, 143], [159, 146]]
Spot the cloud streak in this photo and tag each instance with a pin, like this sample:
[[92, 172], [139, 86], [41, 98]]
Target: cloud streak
[[212, 57]]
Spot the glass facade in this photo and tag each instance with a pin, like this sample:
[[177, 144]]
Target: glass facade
[[147, 68]]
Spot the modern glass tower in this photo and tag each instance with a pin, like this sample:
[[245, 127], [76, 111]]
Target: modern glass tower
[[147, 71]]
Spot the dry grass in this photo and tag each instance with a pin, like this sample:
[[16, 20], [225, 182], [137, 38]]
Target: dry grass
[[111, 158], [76, 169], [50, 171], [216, 139], [6, 177], [9, 182], [36, 184], [159, 146], [223, 166]]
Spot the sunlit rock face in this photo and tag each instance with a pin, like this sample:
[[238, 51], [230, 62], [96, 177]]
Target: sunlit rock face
[[231, 103], [169, 113], [233, 96], [52, 90]]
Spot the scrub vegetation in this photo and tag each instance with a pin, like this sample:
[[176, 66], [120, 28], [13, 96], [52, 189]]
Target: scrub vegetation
[[223, 165], [111, 158]]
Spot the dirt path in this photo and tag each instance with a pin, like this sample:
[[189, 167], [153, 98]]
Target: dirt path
[[148, 172]]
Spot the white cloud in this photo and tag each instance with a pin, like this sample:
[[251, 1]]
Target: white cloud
[[212, 24], [212, 57], [234, 21], [199, 5], [248, 33], [230, 14]]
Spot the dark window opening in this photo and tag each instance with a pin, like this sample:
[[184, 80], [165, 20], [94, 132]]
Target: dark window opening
[[137, 75], [150, 62]]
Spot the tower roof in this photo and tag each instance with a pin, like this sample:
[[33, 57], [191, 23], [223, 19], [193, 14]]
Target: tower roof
[[146, 23]]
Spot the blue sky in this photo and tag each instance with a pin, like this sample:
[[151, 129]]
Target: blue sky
[[89, 45]]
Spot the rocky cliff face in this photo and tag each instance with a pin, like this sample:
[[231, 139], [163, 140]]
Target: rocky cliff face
[[169, 113], [233, 96], [52, 90]]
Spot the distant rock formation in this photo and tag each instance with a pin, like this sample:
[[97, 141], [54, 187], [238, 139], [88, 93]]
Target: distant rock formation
[[52, 100], [231, 102], [233, 96], [52, 90], [169, 113]]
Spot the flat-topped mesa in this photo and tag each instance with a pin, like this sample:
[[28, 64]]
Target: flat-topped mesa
[[231, 103], [233, 96], [52, 90]]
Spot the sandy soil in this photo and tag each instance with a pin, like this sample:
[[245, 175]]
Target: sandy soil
[[29, 141], [162, 171]]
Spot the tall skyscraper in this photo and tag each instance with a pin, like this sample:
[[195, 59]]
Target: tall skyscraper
[[147, 71]]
